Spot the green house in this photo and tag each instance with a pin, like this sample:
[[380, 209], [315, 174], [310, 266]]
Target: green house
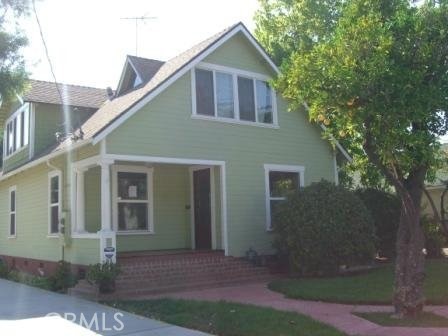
[[188, 154]]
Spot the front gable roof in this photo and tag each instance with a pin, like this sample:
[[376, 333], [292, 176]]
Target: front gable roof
[[116, 111]]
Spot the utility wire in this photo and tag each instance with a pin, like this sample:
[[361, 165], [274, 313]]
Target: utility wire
[[81, 133], [46, 52]]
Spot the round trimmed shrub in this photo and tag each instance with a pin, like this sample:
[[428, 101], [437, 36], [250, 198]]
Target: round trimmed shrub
[[322, 228], [385, 210]]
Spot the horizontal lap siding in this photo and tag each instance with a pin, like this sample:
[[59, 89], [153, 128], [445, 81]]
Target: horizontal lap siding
[[32, 217], [165, 128], [171, 218], [16, 160], [83, 251]]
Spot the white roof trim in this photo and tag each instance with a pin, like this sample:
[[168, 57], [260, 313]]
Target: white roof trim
[[338, 145], [44, 158], [182, 71], [126, 65]]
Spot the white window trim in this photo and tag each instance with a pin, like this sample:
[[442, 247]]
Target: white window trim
[[55, 173], [10, 190], [7, 121], [133, 169], [235, 74], [278, 168]]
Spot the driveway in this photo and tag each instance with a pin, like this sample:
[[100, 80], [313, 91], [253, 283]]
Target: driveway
[[26, 310]]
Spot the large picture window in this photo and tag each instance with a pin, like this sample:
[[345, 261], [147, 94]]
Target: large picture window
[[228, 96], [132, 189], [281, 181], [12, 211], [17, 130], [54, 202]]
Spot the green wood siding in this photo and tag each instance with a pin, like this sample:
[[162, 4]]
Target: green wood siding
[[238, 53], [31, 217], [17, 159], [171, 218], [49, 119], [165, 128]]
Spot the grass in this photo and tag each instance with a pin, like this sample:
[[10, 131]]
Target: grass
[[227, 319], [374, 287], [425, 319]]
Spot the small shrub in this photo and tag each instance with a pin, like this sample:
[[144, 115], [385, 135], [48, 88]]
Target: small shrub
[[103, 275], [63, 278], [323, 227], [435, 238], [4, 269], [385, 210], [30, 280]]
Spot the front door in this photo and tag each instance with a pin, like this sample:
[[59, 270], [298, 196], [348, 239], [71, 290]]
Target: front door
[[202, 209]]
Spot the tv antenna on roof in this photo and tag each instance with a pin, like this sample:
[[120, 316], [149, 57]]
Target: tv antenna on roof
[[143, 19]]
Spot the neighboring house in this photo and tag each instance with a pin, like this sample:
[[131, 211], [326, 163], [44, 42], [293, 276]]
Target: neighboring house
[[188, 154], [436, 189]]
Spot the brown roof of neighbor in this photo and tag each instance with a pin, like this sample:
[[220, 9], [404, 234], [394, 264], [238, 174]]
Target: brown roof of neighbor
[[113, 109], [73, 95], [145, 67]]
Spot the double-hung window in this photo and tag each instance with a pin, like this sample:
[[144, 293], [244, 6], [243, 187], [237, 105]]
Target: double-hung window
[[133, 205], [54, 202], [280, 182], [233, 96], [17, 130], [12, 211]]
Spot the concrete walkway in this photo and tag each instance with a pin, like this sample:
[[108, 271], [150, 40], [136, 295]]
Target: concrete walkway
[[24, 311], [337, 315]]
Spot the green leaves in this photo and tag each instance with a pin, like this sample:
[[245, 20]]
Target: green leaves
[[12, 68], [324, 226], [375, 70]]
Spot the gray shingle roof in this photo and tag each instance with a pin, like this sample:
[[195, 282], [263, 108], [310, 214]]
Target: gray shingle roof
[[145, 67], [73, 95]]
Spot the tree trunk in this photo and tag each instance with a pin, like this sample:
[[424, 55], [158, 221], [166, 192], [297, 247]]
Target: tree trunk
[[410, 262]]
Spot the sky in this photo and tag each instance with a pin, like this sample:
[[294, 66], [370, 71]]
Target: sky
[[88, 40]]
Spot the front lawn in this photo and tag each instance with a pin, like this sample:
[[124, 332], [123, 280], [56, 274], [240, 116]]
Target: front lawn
[[227, 319], [375, 287], [424, 320]]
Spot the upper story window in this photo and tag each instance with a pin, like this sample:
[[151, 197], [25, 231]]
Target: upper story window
[[232, 95], [17, 130]]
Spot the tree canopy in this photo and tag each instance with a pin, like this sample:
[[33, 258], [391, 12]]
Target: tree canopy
[[12, 68], [375, 73], [369, 70]]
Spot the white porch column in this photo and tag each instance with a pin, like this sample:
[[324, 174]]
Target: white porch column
[[80, 201], [106, 222]]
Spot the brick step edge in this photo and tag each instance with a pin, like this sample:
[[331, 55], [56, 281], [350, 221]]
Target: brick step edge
[[191, 273], [136, 293], [188, 277]]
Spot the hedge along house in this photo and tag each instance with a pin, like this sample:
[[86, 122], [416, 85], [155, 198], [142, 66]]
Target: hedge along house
[[188, 154]]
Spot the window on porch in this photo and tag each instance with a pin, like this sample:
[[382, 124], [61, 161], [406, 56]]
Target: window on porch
[[132, 203]]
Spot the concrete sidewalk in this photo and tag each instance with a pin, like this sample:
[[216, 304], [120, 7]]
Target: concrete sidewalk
[[337, 315], [26, 308]]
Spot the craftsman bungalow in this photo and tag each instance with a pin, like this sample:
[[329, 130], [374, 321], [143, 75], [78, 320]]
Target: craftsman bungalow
[[188, 154]]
